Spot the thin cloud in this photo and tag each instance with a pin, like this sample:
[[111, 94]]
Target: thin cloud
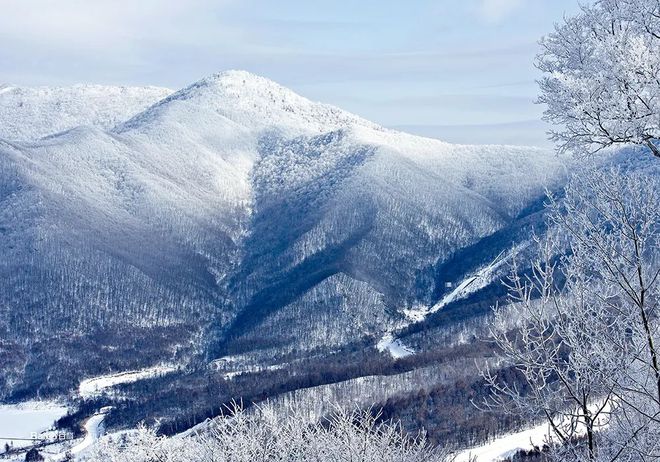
[[496, 11], [359, 56], [104, 23]]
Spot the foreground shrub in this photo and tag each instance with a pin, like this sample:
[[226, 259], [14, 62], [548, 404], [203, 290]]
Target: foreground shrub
[[261, 435]]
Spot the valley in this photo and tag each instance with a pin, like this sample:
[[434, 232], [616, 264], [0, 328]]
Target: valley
[[234, 241]]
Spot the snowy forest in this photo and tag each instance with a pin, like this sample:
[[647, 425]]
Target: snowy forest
[[231, 272]]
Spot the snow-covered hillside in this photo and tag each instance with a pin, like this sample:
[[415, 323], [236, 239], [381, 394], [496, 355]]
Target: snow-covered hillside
[[28, 113], [252, 102], [230, 216]]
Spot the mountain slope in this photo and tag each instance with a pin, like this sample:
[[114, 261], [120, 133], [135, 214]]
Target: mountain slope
[[236, 217], [28, 113]]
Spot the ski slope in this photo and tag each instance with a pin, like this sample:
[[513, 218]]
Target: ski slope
[[95, 386], [506, 446], [471, 284]]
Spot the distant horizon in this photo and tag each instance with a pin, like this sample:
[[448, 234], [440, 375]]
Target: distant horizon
[[461, 73]]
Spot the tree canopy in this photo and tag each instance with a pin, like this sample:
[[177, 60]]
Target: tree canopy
[[601, 81]]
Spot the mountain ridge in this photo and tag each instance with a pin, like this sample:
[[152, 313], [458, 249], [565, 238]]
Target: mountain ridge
[[218, 217], [34, 112]]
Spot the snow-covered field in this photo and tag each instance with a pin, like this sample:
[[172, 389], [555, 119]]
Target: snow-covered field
[[236, 365], [26, 420], [97, 385], [27, 423], [507, 445]]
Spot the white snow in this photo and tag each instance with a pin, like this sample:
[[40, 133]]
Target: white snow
[[249, 101], [27, 420], [184, 165], [33, 112], [253, 370], [469, 285], [97, 385], [506, 446], [93, 431], [233, 366], [32, 421], [395, 347]]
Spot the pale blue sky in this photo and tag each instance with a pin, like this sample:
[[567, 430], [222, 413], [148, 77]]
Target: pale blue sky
[[458, 70]]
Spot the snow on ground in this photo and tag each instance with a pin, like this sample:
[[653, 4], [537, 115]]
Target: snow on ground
[[27, 420], [93, 431], [93, 428], [395, 347], [506, 446], [469, 285], [32, 422], [32, 112], [136, 175], [233, 366], [97, 385], [252, 370]]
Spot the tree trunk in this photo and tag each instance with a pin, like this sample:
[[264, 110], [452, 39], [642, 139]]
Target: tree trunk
[[652, 350], [589, 424], [654, 149]]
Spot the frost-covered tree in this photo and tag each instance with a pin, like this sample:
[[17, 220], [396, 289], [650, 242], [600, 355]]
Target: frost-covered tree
[[601, 80], [586, 344], [263, 435]]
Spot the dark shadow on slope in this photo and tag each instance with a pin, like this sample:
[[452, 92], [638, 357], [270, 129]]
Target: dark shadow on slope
[[293, 284], [295, 182], [469, 259]]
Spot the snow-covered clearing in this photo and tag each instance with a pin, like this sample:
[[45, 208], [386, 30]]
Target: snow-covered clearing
[[253, 370], [27, 421], [97, 385], [508, 445], [395, 347], [469, 285], [233, 366]]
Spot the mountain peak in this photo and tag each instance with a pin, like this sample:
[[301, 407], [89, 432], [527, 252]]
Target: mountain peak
[[243, 84], [238, 77], [248, 100]]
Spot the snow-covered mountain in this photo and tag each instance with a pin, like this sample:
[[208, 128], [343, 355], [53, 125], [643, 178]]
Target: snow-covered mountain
[[28, 113], [233, 216]]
